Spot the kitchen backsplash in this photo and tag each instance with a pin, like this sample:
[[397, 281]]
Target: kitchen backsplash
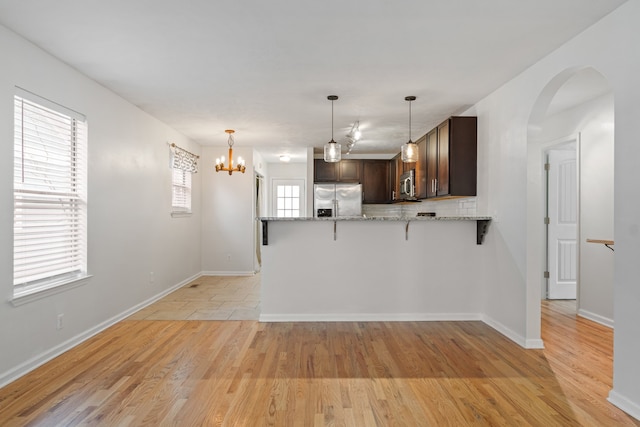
[[453, 207]]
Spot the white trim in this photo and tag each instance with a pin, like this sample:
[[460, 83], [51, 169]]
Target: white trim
[[625, 404], [30, 294], [371, 317], [178, 214], [33, 363], [604, 321], [529, 343], [52, 105], [228, 273]]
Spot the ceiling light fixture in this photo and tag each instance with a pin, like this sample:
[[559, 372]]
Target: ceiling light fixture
[[220, 161], [285, 158], [410, 149], [353, 136], [332, 150]]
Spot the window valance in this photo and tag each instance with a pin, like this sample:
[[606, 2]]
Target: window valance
[[183, 159]]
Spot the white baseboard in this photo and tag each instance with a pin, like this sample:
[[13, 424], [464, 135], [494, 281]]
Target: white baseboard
[[625, 404], [227, 273], [512, 335], [31, 364], [605, 321], [369, 317]]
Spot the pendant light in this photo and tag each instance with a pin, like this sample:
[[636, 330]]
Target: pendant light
[[410, 149], [332, 150]]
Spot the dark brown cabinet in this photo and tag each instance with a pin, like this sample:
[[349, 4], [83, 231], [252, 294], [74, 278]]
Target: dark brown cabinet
[[349, 170], [431, 163], [342, 171], [324, 172], [396, 168], [452, 158], [375, 181], [421, 168]]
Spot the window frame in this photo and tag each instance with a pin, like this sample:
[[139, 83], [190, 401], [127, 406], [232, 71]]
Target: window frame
[[35, 194], [300, 183], [181, 180]]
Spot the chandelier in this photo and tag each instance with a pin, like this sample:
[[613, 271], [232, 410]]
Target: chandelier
[[220, 161]]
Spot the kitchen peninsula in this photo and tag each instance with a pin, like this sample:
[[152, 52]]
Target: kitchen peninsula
[[366, 269]]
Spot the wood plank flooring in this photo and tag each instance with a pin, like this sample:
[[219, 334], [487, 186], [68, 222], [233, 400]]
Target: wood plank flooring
[[246, 373]]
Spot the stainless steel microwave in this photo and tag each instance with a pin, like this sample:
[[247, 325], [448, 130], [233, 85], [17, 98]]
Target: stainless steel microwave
[[408, 185]]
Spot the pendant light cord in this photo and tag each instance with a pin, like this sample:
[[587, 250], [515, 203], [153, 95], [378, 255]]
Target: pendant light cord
[[332, 120], [409, 121]]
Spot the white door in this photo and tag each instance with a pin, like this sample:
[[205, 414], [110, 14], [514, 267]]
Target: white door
[[563, 224]]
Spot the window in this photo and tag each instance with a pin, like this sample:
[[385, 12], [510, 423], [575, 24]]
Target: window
[[288, 198], [50, 195], [181, 194]]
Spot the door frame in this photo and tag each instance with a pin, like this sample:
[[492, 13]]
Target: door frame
[[551, 146]]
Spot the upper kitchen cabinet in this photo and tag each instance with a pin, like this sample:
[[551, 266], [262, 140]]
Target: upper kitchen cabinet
[[350, 170], [375, 181], [431, 163], [342, 171], [421, 168], [452, 158]]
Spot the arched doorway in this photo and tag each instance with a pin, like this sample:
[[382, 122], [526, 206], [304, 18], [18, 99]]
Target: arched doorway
[[575, 105]]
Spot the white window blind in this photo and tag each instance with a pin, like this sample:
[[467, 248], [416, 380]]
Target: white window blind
[[181, 193], [50, 194]]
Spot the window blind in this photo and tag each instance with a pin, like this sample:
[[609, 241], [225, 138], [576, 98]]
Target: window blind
[[50, 194], [181, 193]]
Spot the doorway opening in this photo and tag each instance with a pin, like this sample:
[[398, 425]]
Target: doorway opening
[[577, 102]]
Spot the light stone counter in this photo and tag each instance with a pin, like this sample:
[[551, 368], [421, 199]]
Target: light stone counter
[[481, 221], [383, 218]]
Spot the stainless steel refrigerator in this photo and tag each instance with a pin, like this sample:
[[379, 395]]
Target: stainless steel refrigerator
[[337, 200]]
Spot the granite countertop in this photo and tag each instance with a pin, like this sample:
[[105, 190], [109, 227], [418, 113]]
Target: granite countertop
[[382, 218]]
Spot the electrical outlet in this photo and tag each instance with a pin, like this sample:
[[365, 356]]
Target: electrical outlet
[[152, 278], [228, 257], [59, 321]]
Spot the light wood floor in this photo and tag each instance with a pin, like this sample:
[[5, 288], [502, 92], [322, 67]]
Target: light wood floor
[[246, 373]]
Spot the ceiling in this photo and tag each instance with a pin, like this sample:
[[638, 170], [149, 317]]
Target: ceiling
[[265, 68]]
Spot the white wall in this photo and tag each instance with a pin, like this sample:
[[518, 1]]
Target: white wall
[[372, 271], [130, 231], [227, 215], [594, 121], [505, 182]]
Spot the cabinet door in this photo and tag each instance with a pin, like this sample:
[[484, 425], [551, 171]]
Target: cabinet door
[[432, 162], [349, 170], [443, 159], [463, 156], [375, 181], [398, 171], [324, 172], [421, 168]]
